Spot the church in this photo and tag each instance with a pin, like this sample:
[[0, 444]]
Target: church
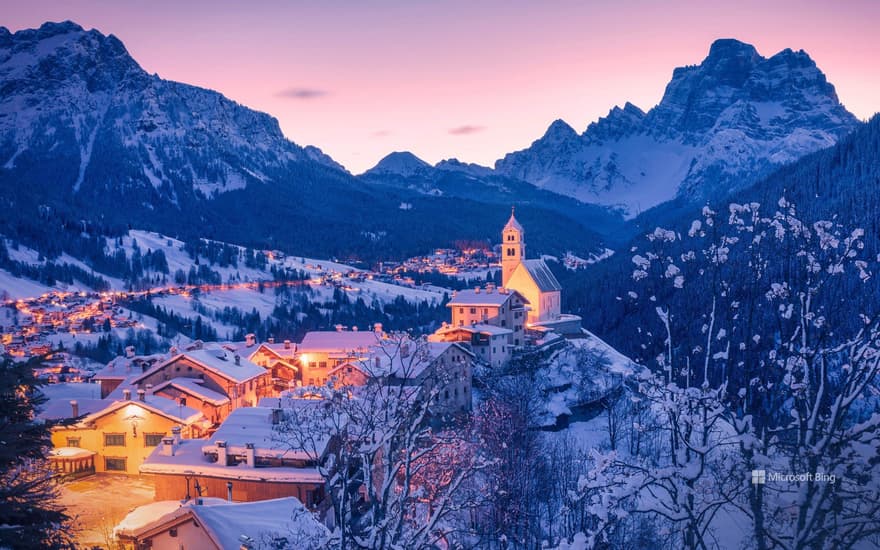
[[531, 278]]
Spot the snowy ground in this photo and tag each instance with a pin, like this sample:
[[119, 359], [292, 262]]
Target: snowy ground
[[118, 496]]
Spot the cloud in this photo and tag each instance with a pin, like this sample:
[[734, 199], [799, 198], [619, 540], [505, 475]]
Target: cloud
[[303, 93], [466, 130]]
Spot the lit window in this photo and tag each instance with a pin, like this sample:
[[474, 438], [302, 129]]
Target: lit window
[[73, 441], [153, 440], [114, 440]]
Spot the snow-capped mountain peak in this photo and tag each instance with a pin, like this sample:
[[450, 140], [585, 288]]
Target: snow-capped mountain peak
[[720, 125], [69, 95]]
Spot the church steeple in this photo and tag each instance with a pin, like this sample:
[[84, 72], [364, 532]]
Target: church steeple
[[513, 247]]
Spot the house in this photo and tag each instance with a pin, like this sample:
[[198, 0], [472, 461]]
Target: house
[[208, 374], [447, 366], [280, 360], [123, 369], [244, 460], [531, 278], [209, 523], [490, 306], [321, 352], [124, 432], [490, 343]]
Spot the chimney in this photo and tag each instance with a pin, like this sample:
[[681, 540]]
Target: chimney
[[237, 360], [168, 446], [377, 328], [354, 328], [476, 290], [222, 456], [142, 396], [173, 350], [74, 409], [338, 328], [287, 344], [149, 389], [229, 491], [129, 351], [126, 395], [175, 434], [271, 340], [250, 340], [250, 455]]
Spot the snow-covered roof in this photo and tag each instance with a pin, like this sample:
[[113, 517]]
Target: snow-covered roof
[[471, 297], [541, 274], [215, 359], [413, 362], [122, 368], [71, 390], [189, 457], [59, 396], [60, 408], [70, 452], [195, 388], [254, 425], [476, 329], [168, 408], [341, 340], [227, 522]]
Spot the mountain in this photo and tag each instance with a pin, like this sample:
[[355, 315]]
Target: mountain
[[720, 126], [400, 164], [841, 183], [452, 179], [90, 143]]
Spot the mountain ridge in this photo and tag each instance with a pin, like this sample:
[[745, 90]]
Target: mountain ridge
[[720, 125]]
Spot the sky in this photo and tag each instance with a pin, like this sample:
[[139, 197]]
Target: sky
[[467, 79]]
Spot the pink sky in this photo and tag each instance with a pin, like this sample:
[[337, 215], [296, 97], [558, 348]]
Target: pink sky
[[471, 80]]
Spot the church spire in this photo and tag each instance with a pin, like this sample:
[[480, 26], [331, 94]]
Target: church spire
[[512, 223], [513, 247]]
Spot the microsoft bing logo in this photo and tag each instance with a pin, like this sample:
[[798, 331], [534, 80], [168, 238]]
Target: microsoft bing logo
[[759, 477]]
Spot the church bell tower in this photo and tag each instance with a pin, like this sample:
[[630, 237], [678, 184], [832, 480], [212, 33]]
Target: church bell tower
[[513, 247]]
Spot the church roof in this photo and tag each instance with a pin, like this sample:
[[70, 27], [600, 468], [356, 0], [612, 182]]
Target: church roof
[[471, 297], [512, 223], [541, 274]]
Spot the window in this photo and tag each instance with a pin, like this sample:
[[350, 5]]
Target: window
[[473, 310], [114, 440], [322, 364], [461, 310], [73, 442], [114, 464], [153, 440]]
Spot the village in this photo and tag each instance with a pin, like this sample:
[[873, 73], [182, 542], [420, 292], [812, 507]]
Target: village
[[198, 424]]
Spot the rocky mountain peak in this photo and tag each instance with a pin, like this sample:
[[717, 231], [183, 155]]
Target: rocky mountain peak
[[719, 125]]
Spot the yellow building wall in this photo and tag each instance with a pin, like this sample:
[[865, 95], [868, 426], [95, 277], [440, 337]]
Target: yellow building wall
[[544, 305], [118, 422]]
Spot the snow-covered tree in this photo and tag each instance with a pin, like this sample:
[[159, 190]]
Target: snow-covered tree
[[764, 358], [395, 481]]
